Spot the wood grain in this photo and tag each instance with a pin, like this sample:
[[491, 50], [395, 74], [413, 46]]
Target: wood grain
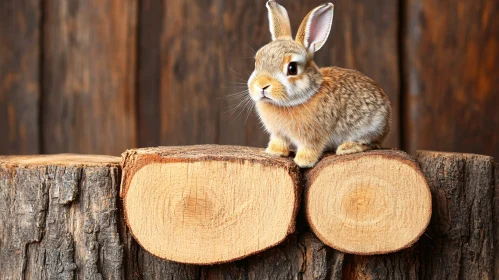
[[89, 76], [208, 204], [451, 67], [148, 93], [187, 75], [19, 76], [375, 202], [184, 84], [60, 217]]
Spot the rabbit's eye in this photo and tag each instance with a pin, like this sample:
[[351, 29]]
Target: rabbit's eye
[[292, 69]]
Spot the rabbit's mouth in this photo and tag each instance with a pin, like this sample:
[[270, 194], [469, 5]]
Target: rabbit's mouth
[[266, 99]]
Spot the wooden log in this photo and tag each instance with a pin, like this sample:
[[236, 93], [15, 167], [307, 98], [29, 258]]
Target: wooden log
[[460, 237], [58, 217], [458, 242], [209, 204], [371, 203]]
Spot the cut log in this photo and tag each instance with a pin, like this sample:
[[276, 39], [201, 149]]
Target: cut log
[[59, 220], [369, 203], [460, 239], [58, 217], [208, 204]]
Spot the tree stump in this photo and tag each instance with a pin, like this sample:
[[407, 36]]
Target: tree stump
[[58, 217], [375, 202], [209, 204], [460, 239]]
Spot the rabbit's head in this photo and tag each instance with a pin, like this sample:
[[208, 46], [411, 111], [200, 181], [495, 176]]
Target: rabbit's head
[[285, 73]]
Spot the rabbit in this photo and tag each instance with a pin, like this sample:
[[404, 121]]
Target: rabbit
[[315, 109]]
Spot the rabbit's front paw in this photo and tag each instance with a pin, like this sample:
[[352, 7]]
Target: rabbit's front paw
[[306, 158], [351, 148], [278, 147]]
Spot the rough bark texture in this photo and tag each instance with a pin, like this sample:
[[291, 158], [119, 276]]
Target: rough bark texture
[[459, 241], [300, 256], [496, 222], [61, 222], [400, 265]]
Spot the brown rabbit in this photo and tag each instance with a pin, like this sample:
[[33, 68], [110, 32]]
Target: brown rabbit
[[315, 109]]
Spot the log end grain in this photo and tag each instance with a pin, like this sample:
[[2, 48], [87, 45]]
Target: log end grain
[[369, 203], [208, 204]]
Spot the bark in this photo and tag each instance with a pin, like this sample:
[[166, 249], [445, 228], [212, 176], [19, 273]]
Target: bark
[[59, 221], [65, 221], [496, 221], [459, 240]]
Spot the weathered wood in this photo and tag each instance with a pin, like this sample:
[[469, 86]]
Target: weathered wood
[[184, 87], [301, 256], [459, 240], [59, 219], [496, 221], [89, 76], [148, 76], [215, 43], [19, 76], [209, 204], [369, 203], [451, 65], [460, 237], [208, 55], [400, 265]]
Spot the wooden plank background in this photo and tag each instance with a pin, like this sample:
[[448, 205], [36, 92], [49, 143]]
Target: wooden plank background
[[20, 76], [101, 76]]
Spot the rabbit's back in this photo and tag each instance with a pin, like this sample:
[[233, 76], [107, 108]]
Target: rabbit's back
[[360, 107]]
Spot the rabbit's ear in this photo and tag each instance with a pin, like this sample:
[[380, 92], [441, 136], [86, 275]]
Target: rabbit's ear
[[315, 28], [280, 28]]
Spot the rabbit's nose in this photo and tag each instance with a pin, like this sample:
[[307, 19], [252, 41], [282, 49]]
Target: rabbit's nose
[[265, 87]]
